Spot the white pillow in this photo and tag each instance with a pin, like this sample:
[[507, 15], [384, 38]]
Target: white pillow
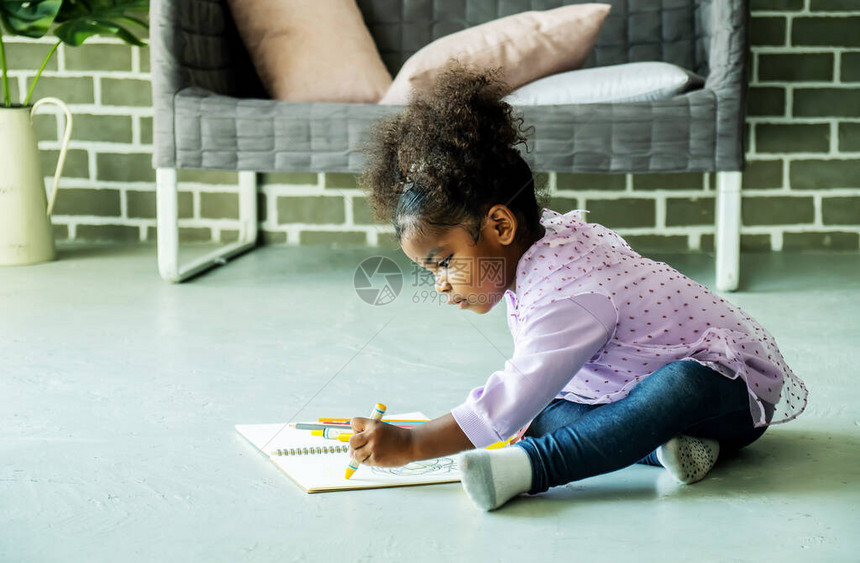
[[631, 82]]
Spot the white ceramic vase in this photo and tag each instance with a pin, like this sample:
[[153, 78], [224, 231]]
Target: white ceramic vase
[[26, 234]]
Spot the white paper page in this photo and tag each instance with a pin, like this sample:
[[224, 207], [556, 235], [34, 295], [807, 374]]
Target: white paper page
[[316, 474], [325, 471]]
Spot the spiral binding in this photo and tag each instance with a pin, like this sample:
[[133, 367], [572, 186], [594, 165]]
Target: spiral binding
[[312, 450]]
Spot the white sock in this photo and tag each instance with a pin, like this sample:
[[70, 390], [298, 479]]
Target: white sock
[[493, 477], [688, 459]]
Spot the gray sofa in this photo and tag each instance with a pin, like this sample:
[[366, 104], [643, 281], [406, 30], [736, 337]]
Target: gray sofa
[[211, 112]]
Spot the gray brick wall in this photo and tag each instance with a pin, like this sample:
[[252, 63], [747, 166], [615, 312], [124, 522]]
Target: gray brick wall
[[801, 186]]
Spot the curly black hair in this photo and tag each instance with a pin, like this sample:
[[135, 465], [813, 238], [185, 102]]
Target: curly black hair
[[449, 157]]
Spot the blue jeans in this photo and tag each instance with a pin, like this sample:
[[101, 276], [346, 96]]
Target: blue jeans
[[570, 441]]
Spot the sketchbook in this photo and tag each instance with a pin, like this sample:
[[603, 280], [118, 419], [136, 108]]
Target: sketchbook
[[318, 464]]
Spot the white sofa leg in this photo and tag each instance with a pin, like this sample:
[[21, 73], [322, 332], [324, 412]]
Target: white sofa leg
[[728, 238], [167, 212], [248, 208], [168, 227]]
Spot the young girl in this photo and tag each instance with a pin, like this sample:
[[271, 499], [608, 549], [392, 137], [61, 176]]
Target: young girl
[[617, 359]]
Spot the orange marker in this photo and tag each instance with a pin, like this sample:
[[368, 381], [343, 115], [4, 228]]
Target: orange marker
[[377, 413]]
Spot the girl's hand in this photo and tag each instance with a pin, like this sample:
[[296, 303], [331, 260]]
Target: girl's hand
[[381, 444]]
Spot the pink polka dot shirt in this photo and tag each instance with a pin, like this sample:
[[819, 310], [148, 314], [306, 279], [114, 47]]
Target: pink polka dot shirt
[[591, 318]]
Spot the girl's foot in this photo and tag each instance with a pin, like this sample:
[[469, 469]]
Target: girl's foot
[[493, 477], [688, 459]]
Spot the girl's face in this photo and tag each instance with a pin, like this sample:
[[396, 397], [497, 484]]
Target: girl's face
[[470, 275]]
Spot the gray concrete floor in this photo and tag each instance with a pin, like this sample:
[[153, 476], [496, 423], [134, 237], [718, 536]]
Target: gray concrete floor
[[119, 392]]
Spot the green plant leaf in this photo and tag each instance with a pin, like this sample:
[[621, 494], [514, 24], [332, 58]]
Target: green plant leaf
[[135, 21], [75, 32], [30, 18], [81, 19], [73, 9]]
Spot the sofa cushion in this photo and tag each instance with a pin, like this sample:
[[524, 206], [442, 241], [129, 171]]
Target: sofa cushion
[[311, 50], [227, 133], [526, 46], [631, 82]]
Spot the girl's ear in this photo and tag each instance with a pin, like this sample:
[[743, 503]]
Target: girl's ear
[[503, 222]]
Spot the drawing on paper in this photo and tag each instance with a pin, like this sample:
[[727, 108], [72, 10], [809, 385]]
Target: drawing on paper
[[438, 466]]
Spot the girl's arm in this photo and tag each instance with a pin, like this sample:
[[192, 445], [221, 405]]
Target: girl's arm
[[556, 341], [386, 445], [439, 437]]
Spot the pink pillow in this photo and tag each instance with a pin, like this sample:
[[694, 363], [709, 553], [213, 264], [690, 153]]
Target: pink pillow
[[312, 50], [526, 46]]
